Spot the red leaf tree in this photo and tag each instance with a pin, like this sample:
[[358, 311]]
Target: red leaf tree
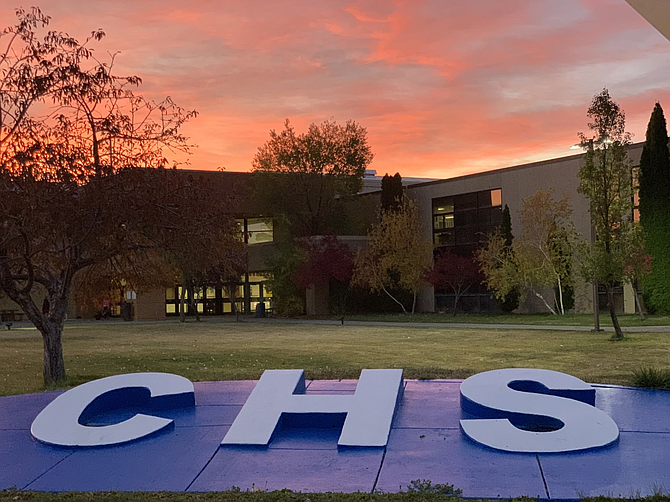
[[454, 272], [327, 259]]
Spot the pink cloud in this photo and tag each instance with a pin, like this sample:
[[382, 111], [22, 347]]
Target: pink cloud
[[444, 88]]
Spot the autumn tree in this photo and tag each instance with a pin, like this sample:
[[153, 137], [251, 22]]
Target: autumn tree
[[605, 178], [305, 176], [325, 259], [392, 192], [216, 257], [654, 192], [397, 255], [454, 272], [638, 265], [288, 297], [540, 259], [75, 191]]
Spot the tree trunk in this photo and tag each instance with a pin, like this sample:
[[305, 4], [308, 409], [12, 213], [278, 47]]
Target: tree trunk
[[640, 308], [404, 310], [545, 302], [618, 334], [50, 327], [193, 303], [182, 305], [54, 365], [560, 296]]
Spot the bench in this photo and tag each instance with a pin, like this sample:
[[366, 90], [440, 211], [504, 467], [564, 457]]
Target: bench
[[10, 315]]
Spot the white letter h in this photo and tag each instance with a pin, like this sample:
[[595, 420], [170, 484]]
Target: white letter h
[[369, 410]]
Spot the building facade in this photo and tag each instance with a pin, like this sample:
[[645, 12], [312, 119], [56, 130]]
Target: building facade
[[456, 213]]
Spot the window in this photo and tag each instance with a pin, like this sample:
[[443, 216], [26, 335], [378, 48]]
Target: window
[[256, 230], [249, 290], [465, 201], [463, 221], [496, 198]]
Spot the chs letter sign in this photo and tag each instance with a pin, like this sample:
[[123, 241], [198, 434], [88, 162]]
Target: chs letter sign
[[513, 410]]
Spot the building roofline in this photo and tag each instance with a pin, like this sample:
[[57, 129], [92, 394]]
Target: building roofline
[[633, 146]]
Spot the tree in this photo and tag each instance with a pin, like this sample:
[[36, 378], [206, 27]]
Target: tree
[[638, 264], [329, 264], [304, 176], [216, 257], [540, 258], [396, 256], [288, 297], [326, 259], [605, 180], [510, 301], [458, 273], [654, 192], [75, 194], [392, 192]]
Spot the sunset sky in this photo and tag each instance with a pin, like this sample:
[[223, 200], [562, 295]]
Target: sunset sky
[[444, 87]]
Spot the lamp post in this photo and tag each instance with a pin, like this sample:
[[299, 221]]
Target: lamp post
[[596, 303]]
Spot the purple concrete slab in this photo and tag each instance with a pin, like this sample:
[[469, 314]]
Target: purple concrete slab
[[429, 404], [23, 459], [344, 470], [204, 416], [169, 461], [331, 385], [636, 410], [305, 439], [308, 459], [422, 384], [445, 456], [228, 392], [639, 465], [18, 412], [198, 416]]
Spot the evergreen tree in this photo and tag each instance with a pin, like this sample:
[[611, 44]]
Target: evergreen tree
[[510, 301], [654, 186], [392, 192]]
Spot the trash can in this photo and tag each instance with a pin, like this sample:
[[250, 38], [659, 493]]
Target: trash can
[[127, 311], [260, 309]]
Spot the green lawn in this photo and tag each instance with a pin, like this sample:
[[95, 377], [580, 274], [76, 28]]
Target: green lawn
[[537, 319], [259, 496], [213, 350]]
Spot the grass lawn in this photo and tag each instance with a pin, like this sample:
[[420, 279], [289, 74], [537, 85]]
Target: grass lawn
[[537, 319], [277, 496], [214, 350]]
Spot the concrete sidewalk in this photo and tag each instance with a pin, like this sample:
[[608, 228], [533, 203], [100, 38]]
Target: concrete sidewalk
[[335, 322], [331, 322]]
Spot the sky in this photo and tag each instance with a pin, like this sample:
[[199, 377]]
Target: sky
[[444, 87]]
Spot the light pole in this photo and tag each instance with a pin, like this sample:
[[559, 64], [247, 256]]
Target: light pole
[[596, 302]]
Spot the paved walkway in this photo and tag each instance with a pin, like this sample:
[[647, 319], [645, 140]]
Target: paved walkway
[[334, 322], [632, 329]]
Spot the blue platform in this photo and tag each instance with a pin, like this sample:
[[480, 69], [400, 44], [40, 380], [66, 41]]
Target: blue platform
[[425, 443]]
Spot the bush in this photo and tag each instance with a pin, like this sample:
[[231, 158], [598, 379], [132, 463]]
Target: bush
[[425, 486], [289, 306], [652, 378]]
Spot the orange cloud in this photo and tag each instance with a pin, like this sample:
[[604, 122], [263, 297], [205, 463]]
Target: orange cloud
[[444, 88]]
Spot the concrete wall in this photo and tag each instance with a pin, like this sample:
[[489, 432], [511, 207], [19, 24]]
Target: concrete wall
[[150, 305]]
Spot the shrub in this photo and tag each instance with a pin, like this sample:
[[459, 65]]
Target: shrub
[[652, 378], [425, 486]]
